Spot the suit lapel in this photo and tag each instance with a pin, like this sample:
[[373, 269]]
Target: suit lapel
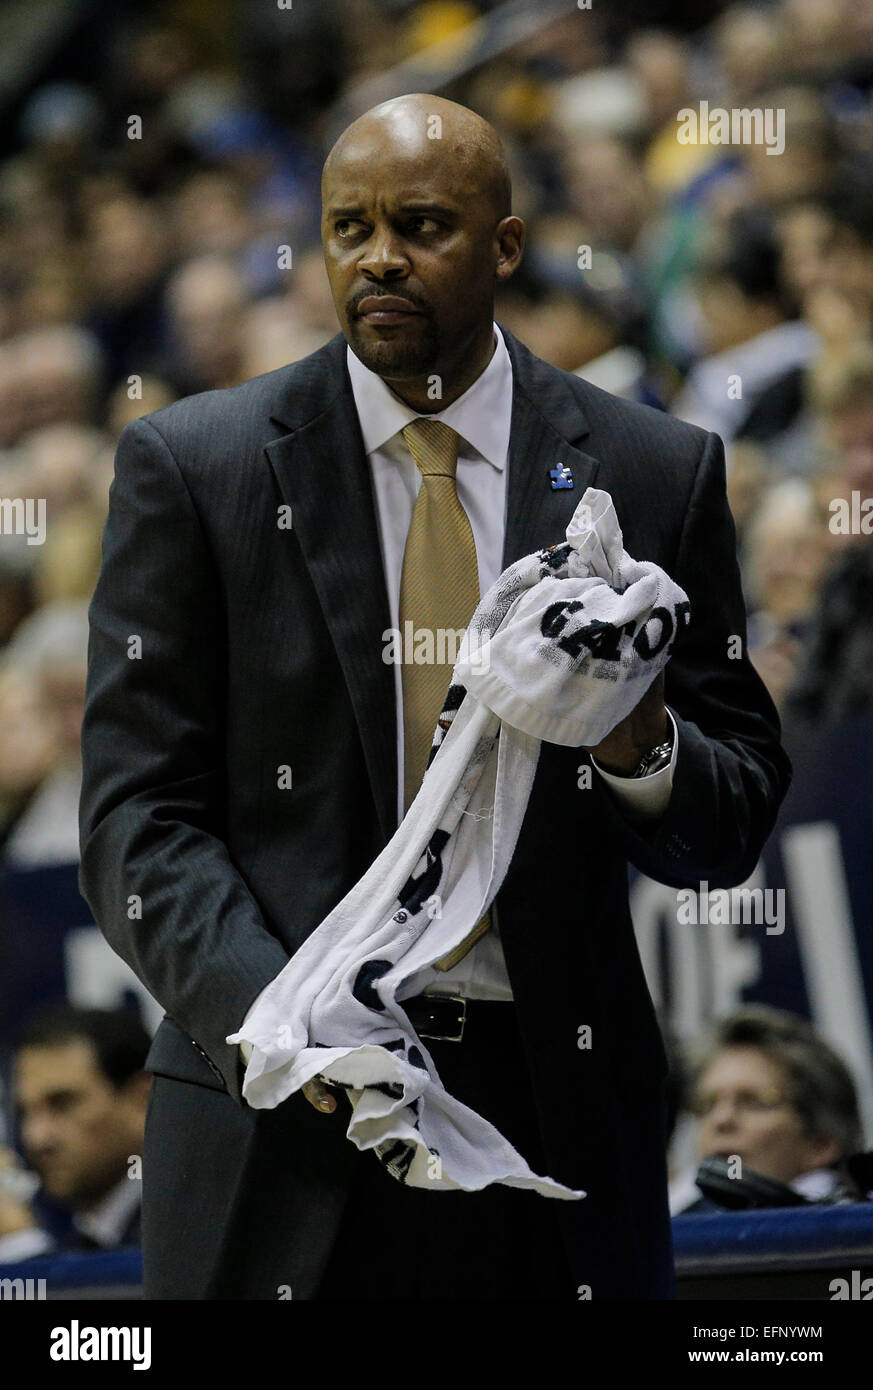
[[323, 474], [546, 419]]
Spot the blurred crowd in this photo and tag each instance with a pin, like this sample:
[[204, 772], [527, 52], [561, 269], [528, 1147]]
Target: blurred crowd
[[159, 235]]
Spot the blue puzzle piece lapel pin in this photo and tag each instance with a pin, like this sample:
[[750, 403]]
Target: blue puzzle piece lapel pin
[[561, 476]]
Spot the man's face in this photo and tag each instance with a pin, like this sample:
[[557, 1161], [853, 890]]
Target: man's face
[[410, 255], [852, 432], [76, 1127], [744, 1107], [847, 268]]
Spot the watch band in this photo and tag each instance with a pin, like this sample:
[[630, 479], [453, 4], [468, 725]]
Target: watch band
[[655, 760]]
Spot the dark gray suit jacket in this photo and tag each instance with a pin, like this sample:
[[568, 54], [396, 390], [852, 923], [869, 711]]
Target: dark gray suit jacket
[[261, 648]]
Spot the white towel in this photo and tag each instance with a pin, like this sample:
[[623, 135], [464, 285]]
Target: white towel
[[560, 648]]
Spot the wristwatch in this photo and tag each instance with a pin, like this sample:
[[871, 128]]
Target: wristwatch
[[656, 759]]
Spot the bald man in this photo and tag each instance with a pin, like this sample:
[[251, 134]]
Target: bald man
[[249, 751]]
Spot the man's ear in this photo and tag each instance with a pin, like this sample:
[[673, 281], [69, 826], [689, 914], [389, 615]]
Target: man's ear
[[510, 240]]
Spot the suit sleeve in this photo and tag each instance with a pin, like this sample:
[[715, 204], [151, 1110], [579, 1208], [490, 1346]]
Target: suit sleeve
[[155, 868], [731, 772]]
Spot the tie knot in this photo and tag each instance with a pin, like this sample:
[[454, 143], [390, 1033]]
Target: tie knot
[[433, 445]]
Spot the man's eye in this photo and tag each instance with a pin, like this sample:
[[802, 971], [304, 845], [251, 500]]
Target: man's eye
[[346, 226], [62, 1103], [415, 224]]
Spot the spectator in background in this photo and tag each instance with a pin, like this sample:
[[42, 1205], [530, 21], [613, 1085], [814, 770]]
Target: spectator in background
[[607, 188], [835, 680], [785, 553], [848, 264], [753, 338], [57, 374], [591, 324], [809, 164], [28, 747], [659, 63], [748, 46], [49, 653], [283, 328], [127, 251], [80, 1092], [58, 462], [804, 229], [210, 216], [206, 301], [768, 1090], [837, 304], [844, 399]]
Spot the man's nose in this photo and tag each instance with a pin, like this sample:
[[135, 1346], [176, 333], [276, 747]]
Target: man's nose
[[384, 256], [724, 1115], [37, 1134]]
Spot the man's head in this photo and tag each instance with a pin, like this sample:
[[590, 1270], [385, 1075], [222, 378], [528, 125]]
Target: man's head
[[848, 259], [767, 1088], [740, 287], [81, 1095], [843, 395], [416, 212]]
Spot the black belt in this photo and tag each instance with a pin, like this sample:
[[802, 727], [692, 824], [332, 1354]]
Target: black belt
[[438, 1016], [442, 1016]]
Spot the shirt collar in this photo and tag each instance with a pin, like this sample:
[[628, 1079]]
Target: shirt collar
[[106, 1220], [482, 416], [815, 1185]]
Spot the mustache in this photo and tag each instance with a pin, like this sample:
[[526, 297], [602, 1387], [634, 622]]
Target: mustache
[[413, 299]]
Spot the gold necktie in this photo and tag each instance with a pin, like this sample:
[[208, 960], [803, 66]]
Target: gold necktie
[[439, 591]]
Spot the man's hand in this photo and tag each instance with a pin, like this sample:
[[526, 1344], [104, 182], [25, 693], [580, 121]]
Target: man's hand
[[319, 1095], [647, 725]]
